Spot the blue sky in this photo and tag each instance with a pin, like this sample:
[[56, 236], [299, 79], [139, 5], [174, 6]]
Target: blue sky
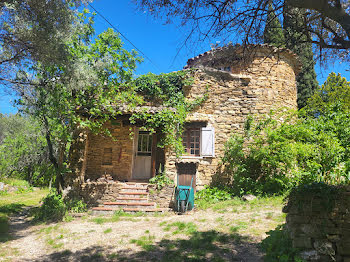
[[159, 42]]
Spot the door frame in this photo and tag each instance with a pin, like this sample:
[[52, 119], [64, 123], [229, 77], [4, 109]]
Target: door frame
[[153, 153]]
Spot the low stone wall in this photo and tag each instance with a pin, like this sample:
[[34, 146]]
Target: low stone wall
[[319, 225], [164, 198], [95, 193]]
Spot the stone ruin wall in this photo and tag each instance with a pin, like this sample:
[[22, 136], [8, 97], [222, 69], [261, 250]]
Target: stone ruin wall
[[267, 83], [320, 230], [122, 154]]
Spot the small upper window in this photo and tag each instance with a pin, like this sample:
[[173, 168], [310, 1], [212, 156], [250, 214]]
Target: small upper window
[[191, 141]]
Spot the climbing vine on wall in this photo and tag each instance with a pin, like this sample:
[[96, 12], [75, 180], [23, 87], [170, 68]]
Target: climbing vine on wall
[[166, 91]]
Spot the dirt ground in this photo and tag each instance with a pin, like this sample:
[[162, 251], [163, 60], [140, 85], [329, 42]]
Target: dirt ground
[[227, 231]]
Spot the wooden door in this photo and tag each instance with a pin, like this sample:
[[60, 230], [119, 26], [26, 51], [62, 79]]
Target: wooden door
[[143, 156], [185, 173]]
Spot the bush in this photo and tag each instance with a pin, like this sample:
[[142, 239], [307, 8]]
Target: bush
[[161, 180], [76, 206], [213, 194], [274, 156], [53, 208], [278, 247]]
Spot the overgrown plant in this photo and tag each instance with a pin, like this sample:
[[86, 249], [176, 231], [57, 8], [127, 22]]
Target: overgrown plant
[[278, 247], [167, 91], [55, 208], [213, 194], [161, 180], [275, 155]]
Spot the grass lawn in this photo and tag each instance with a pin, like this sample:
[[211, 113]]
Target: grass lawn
[[216, 231], [14, 202]]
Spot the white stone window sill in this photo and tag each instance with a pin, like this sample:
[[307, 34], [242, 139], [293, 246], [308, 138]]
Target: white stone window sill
[[193, 159]]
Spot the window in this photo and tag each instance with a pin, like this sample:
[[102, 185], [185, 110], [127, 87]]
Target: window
[[199, 141], [144, 144], [191, 141], [107, 156]]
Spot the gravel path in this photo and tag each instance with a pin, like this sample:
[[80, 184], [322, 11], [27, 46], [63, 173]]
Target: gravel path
[[204, 235]]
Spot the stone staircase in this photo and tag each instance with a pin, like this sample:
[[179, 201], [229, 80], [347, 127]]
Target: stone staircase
[[133, 197]]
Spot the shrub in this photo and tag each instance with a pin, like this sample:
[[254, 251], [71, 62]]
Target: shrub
[[161, 180], [213, 194], [76, 206], [278, 247], [274, 156], [53, 208]]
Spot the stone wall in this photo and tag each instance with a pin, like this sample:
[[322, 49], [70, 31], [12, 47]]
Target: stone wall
[[95, 193], [267, 82], [122, 149], [164, 198], [320, 228]]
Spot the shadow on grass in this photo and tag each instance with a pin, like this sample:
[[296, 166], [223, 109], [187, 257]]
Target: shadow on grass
[[200, 246], [13, 210]]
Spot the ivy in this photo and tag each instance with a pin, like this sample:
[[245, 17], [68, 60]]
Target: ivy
[[166, 91]]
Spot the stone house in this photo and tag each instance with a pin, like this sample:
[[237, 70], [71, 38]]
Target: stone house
[[240, 81]]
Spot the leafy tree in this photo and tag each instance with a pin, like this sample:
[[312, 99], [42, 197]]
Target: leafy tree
[[33, 30], [85, 92], [23, 151], [273, 33], [334, 93], [299, 43], [328, 21]]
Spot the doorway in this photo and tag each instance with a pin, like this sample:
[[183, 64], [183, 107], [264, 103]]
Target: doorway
[[143, 156]]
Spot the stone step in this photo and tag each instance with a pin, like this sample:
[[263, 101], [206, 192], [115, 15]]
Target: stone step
[[135, 184], [118, 205], [110, 211], [131, 199], [131, 189], [127, 209], [132, 194]]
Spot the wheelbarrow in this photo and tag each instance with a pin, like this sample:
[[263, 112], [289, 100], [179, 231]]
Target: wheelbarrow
[[184, 197]]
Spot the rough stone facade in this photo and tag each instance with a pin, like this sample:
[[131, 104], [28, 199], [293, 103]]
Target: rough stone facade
[[118, 161], [95, 193], [164, 197], [263, 81], [237, 86], [320, 229]]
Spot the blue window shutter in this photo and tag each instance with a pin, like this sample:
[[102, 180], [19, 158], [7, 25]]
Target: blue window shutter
[[207, 141]]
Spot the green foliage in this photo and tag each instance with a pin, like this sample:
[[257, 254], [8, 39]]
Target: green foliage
[[33, 30], [91, 82], [166, 90], [273, 33], [145, 242], [161, 180], [23, 152], [278, 247], [275, 156], [213, 194], [306, 194], [76, 205], [335, 92], [298, 41], [53, 208]]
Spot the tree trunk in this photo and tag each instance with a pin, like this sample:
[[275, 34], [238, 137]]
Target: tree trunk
[[59, 178]]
